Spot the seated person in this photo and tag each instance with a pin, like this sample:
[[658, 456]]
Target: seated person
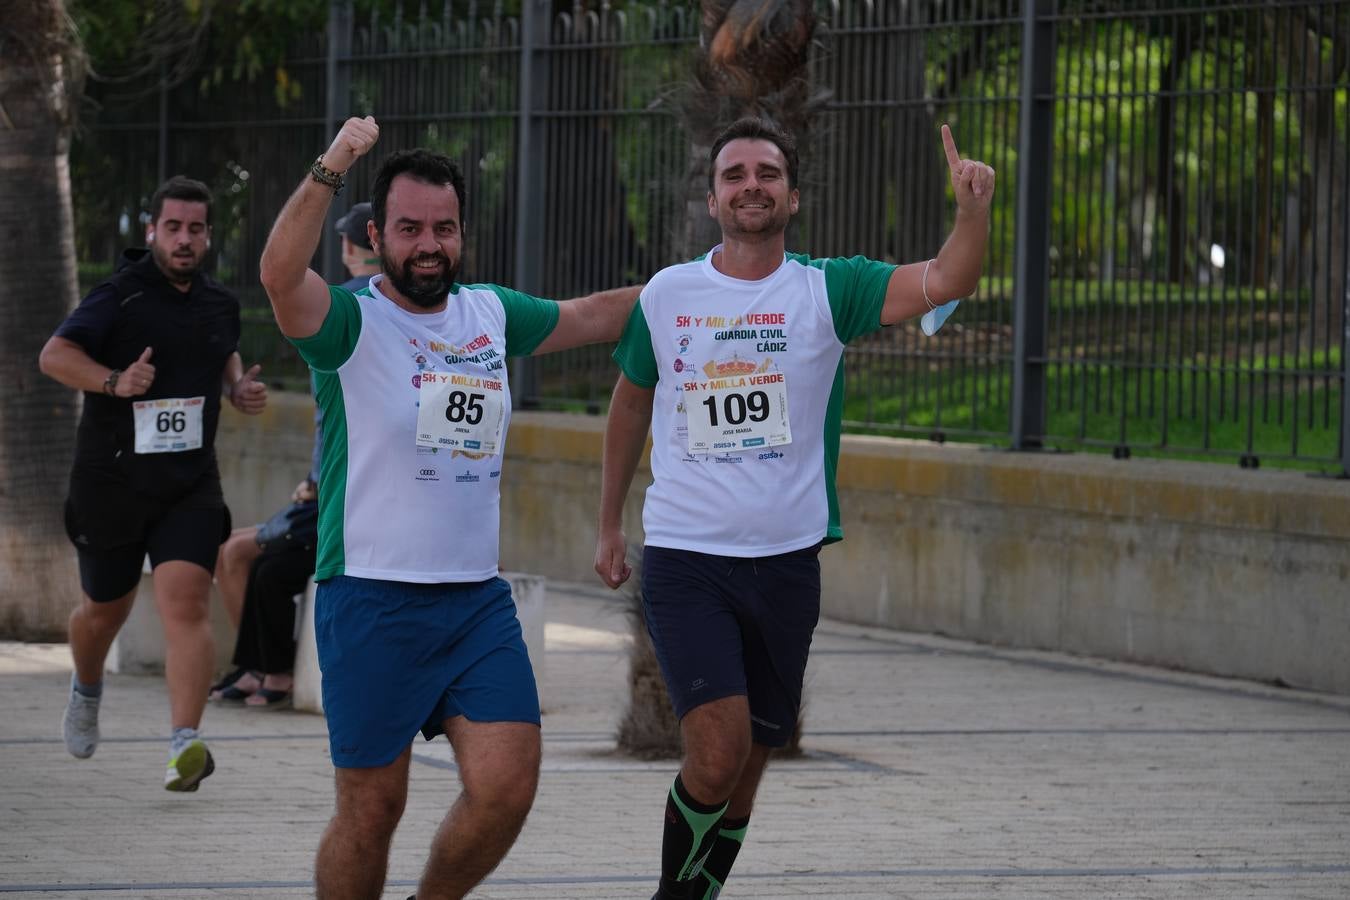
[[264, 652], [250, 582]]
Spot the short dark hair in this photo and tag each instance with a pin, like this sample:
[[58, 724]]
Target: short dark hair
[[180, 187], [755, 129], [432, 168]]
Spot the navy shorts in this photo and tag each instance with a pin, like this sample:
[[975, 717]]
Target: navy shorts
[[113, 527], [399, 657], [727, 626]]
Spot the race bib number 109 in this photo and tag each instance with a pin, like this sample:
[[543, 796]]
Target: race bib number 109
[[170, 425], [749, 415], [460, 412]]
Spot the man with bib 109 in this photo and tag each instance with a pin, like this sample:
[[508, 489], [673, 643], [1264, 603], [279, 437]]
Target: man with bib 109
[[153, 348], [735, 360], [415, 629]]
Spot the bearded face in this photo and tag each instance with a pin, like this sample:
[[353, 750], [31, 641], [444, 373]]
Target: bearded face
[[421, 244], [423, 279], [179, 239]]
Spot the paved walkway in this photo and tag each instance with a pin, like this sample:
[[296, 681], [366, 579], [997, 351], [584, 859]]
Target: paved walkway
[[936, 769]]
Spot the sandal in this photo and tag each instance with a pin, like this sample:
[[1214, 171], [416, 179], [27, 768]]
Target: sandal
[[239, 689], [227, 681], [268, 698]]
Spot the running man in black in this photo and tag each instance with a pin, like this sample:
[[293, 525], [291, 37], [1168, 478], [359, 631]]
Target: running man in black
[[154, 347]]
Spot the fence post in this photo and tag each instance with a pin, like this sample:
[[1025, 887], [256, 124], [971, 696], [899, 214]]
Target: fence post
[[163, 148], [337, 108], [1032, 266], [529, 236], [1345, 362]]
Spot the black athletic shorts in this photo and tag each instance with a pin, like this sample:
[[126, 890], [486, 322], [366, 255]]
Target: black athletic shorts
[[726, 626], [113, 527]]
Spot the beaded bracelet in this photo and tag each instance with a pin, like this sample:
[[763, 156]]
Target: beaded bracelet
[[326, 176]]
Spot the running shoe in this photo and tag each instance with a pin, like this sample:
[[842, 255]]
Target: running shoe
[[189, 767], [79, 726]]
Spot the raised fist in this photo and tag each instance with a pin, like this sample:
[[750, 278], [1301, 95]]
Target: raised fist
[[353, 141]]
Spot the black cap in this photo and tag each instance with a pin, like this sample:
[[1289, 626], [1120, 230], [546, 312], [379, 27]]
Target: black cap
[[353, 225]]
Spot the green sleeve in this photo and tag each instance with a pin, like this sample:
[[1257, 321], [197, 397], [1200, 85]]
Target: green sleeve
[[529, 320], [634, 355], [335, 340], [856, 287]]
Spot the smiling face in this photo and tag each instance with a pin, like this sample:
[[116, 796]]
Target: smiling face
[[421, 246], [179, 239], [751, 199]]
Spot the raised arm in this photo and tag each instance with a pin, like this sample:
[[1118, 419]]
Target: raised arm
[[299, 295], [955, 271], [592, 319], [630, 415]]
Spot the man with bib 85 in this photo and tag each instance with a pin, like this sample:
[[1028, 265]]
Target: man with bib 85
[[153, 347], [735, 360], [415, 629]]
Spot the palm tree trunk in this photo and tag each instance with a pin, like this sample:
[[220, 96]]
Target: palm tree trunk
[[37, 267], [752, 61]]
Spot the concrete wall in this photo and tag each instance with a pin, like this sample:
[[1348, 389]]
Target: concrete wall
[[1200, 566]]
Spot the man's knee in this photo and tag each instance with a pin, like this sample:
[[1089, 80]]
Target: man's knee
[[714, 768], [182, 592], [514, 796], [717, 744], [375, 812], [372, 800], [501, 773], [110, 614]]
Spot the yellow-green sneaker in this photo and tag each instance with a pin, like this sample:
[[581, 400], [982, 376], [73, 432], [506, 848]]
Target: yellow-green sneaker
[[189, 767]]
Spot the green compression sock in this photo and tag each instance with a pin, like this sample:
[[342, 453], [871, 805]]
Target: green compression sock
[[691, 828], [730, 836]]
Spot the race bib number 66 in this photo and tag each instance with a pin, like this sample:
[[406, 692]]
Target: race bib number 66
[[460, 412], [753, 413], [170, 425]]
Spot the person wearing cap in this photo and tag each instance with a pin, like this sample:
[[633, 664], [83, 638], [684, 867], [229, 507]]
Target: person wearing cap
[[357, 253]]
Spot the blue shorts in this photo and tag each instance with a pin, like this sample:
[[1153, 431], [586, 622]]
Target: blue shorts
[[727, 626], [399, 657]]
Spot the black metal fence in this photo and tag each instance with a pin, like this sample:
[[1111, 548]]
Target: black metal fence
[[1167, 271]]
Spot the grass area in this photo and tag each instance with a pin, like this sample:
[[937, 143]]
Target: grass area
[[1153, 413]]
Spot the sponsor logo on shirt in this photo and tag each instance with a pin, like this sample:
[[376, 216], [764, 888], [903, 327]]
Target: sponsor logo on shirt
[[467, 478]]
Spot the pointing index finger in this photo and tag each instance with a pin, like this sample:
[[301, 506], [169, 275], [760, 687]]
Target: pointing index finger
[[949, 144]]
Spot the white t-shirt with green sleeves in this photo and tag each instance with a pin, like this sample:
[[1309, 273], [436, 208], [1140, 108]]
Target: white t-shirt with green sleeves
[[392, 508], [749, 383]]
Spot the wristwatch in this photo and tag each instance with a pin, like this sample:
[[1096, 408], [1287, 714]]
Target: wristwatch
[[110, 383]]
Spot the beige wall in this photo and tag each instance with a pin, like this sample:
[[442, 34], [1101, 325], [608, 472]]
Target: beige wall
[[1201, 566]]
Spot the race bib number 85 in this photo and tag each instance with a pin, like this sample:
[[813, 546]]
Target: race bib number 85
[[749, 415], [171, 425], [460, 412]]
